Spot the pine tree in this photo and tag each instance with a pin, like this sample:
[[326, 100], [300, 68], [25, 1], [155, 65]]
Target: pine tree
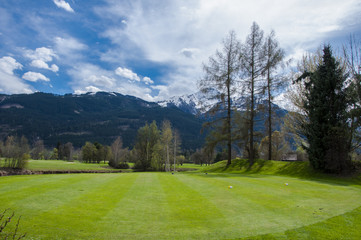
[[326, 108]]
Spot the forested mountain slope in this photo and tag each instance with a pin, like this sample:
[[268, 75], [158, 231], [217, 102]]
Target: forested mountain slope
[[96, 117]]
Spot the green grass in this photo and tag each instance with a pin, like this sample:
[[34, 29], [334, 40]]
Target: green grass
[[190, 166], [58, 165], [182, 206]]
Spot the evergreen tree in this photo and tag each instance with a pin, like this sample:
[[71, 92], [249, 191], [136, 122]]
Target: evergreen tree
[[326, 108]]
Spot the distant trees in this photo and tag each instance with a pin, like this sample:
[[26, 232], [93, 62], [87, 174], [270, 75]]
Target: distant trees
[[118, 155], [65, 151], [38, 150], [95, 153], [148, 136], [16, 152], [156, 149]]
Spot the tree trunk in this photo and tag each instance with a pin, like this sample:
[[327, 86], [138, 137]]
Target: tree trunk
[[229, 134], [269, 116], [251, 147]]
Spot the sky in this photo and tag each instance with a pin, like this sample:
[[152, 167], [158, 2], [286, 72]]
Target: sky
[[151, 49]]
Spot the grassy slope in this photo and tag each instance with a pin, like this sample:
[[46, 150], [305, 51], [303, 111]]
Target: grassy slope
[[180, 206], [344, 226]]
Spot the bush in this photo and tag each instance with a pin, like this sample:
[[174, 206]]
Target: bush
[[121, 165]]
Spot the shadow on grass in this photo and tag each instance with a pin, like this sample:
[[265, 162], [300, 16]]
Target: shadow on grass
[[301, 170]]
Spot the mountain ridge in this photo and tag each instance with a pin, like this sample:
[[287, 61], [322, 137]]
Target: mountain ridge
[[96, 117]]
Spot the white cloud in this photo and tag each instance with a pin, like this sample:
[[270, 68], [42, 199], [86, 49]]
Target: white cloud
[[40, 57], [91, 78], [8, 65], [34, 77], [147, 80], [44, 65], [69, 49], [64, 5], [184, 33], [127, 73], [88, 89], [43, 53], [9, 82], [189, 52]]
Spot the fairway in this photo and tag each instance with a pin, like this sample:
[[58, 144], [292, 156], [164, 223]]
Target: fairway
[[166, 206]]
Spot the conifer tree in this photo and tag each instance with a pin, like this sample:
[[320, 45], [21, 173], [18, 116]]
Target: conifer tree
[[326, 108]]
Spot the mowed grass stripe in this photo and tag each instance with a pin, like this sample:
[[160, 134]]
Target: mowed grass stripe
[[345, 226], [22, 193], [272, 206], [180, 206], [192, 216], [78, 218], [143, 213]]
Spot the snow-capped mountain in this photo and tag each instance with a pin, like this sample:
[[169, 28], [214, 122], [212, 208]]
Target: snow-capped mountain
[[192, 103]]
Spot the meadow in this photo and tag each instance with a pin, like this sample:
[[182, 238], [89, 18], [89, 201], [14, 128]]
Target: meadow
[[187, 205]]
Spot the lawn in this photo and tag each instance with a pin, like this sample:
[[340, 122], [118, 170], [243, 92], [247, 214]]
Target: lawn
[[59, 165], [182, 206]]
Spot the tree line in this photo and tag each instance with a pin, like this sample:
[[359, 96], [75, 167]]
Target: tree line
[[326, 123], [157, 149]]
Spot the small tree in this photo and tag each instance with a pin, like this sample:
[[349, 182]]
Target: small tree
[[38, 149], [119, 154], [279, 146], [147, 137], [16, 152], [89, 152], [166, 140]]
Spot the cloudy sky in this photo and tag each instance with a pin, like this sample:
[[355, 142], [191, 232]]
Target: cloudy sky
[[152, 49]]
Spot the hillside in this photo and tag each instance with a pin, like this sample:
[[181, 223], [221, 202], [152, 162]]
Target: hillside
[[96, 117]]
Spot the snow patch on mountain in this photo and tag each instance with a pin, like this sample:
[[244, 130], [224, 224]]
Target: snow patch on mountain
[[192, 103]]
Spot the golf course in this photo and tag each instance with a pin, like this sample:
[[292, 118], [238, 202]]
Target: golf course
[[187, 205]]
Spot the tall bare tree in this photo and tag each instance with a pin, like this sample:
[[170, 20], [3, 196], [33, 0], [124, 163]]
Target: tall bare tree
[[274, 56], [352, 58], [252, 66], [219, 85]]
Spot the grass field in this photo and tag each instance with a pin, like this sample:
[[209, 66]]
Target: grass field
[[182, 206], [58, 165]]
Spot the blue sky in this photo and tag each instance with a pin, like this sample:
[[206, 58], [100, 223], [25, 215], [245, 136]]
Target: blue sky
[[150, 49]]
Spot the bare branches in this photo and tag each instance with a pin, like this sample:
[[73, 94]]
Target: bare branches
[[5, 220]]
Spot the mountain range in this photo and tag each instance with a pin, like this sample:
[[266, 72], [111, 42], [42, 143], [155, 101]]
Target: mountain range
[[95, 117], [103, 116]]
